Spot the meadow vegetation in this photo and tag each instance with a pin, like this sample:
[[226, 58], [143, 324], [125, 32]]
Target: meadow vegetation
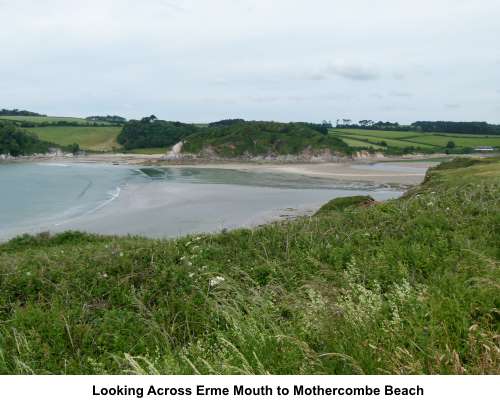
[[397, 142], [98, 139], [408, 286]]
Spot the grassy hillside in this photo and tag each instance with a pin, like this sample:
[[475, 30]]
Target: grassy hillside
[[89, 138], [407, 286], [38, 120], [427, 142], [253, 138]]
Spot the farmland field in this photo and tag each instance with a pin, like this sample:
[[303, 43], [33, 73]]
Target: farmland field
[[376, 133], [89, 138], [442, 140], [401, 139], [37, 120], [398, 143], [360, 144]]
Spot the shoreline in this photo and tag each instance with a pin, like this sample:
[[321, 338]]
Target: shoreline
[[401, 171]]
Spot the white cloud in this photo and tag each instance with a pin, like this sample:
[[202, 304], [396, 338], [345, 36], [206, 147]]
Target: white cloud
[[277, 59]]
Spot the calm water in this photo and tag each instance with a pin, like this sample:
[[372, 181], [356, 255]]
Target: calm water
[[36, 197]]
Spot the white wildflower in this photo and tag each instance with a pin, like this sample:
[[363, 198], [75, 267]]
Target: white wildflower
[[216, 281]]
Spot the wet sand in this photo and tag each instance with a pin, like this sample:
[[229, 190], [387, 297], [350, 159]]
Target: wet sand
[[406, 173], [378, 171]]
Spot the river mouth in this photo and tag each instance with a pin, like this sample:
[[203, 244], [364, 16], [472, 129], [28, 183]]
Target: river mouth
[[158, 202]]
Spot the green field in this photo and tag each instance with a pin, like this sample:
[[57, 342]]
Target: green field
[[377, 133], [426, 141], [373, 140], [409, 286], [37, 120], [442, 140], [89, 138], [360, 144]]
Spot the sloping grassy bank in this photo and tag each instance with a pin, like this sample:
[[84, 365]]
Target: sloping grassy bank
[[408, 286]]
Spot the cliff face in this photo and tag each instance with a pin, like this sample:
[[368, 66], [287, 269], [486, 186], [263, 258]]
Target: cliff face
[[307, 155]]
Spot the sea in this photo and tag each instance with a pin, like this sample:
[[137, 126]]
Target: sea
[[157, 202]]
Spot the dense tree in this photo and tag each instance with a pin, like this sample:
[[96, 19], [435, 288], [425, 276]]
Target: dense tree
[[150, 132], [17, 112], [222, 123], [16, 141], [254, 138], [116, 119], [479, 128], [458, 127]]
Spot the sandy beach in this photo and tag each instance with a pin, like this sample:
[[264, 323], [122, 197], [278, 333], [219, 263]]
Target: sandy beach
[[404, 173]]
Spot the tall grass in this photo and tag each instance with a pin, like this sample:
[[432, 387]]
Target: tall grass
[[406, 287]]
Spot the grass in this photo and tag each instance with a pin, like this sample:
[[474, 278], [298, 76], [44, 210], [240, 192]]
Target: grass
[[37, 120], [89, 138], [426, 141], [343, 203], [409, 286], [442, 140], [377, 133], [360, 144]]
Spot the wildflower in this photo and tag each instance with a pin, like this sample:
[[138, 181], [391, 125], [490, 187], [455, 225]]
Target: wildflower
[[430, 204], [121, 254], [28, 273], [190, 275], [216, 281]]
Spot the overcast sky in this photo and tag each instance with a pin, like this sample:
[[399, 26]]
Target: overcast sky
[[284, 60]]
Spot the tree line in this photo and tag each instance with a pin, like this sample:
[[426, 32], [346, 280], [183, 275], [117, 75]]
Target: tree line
[[472, 127], [107, 118], [16, 142], [149, 132], [17, 112]]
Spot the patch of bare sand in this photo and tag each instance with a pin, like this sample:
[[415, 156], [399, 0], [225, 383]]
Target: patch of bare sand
[[398, 173]]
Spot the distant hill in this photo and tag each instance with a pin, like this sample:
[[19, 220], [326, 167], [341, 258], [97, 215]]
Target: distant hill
[[258, 138], [231, 138], [16, 112]]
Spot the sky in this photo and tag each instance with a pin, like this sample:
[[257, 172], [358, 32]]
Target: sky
[[282, 60]]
